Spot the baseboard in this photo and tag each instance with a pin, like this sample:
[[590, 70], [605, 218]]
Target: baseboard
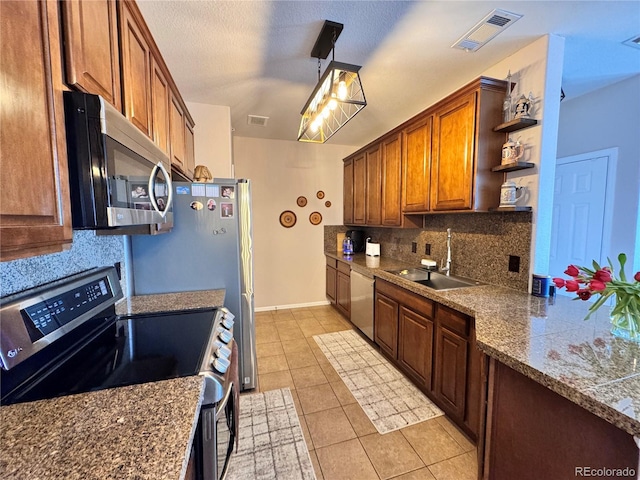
[[293, 305]]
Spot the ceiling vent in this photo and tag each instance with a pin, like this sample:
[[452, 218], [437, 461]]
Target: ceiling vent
[[633, 42], [485, 30], [257, 120]]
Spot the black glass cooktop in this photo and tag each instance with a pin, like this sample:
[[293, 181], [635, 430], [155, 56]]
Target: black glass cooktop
[[130, 351]]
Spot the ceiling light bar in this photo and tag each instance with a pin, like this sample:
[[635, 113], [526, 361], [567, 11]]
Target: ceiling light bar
[[486, 29], [337, 97]]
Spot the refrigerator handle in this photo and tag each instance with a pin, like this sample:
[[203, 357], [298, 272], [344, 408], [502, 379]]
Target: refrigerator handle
[[152, 191]]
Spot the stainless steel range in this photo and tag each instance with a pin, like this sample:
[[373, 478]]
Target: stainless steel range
[[65, 338]]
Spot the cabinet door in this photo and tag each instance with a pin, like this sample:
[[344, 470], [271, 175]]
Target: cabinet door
[[415, 345], [385, 325], [359, 189], [331, 284], [160, 106], [92, 58], [450, 371], [416, 166], [374, 188], [343, 293], [189, 145], [453, 155], [136, 71], [391, 181], [35, 214], [176, 129], [347, 205]]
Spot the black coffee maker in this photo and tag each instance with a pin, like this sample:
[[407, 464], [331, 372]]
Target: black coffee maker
[[357, 239]]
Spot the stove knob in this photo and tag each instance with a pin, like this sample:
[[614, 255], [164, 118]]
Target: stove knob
[[225, 336], [221, 364], [223, 352]]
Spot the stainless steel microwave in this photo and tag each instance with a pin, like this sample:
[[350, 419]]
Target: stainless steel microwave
[[118, 177]]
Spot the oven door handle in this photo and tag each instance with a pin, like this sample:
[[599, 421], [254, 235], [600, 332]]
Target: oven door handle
[[222, 405]]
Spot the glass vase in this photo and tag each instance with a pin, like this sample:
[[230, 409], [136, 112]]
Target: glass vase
[[625, 325]]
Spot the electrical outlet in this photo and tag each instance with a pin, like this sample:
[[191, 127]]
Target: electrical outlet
[[414, 247], [514, 263], [427, 249]]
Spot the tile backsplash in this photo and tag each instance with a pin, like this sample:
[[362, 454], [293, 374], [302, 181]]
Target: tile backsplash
[[88, 250], [481, 244]]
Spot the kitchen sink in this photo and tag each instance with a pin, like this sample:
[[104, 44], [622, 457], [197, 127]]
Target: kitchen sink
[[434, 280]]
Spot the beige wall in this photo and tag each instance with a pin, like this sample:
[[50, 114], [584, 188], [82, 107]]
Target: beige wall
[[213, 138], [289, 265]]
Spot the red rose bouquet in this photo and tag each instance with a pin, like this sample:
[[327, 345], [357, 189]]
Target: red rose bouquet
[[586, 282]]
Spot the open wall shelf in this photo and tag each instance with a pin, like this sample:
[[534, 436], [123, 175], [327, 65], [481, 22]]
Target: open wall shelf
[[515, 124], [512, 167]]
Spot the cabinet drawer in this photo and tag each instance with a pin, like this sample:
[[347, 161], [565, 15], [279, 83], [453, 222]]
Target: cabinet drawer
[[332, 262], [454, 321], [418, 303], [344, 268]]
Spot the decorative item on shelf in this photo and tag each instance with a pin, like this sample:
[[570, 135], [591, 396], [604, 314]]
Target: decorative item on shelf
[[338, 95], [510, 193], [506, 105], [315, 218], [288, 219], [512, 152], [603, 281], [523, 106], [301, 201], [202, 174]]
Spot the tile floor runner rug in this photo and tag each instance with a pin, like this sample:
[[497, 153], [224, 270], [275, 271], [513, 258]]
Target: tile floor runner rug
[[271, 443], [388, 398]]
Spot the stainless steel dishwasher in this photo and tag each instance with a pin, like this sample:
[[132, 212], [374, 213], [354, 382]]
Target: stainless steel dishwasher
[[362, 303]]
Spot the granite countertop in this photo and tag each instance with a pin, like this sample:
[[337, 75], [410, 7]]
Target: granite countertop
[[547, 340], [140, 431], [170, 302]]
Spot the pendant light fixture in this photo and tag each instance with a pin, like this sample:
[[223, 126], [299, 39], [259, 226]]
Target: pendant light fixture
[[337, 97]]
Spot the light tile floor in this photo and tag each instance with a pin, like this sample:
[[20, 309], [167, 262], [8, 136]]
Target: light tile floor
[[342, 441]]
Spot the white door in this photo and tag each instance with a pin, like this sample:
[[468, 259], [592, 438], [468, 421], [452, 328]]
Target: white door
[[581, 219]]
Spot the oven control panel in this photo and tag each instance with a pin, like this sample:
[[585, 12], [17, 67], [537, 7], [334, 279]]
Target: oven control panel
[[33, 319]]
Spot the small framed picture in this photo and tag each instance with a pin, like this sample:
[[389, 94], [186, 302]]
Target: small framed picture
[[226, 210], [139, 190], [228, 191]]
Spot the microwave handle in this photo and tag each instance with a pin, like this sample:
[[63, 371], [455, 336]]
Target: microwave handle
[[152, 192]]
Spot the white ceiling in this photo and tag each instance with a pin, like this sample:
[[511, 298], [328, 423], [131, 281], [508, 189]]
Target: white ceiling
[[254, 56]]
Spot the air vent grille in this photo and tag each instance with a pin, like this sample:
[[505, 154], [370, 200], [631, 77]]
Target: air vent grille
[[490, 26], [257, 120]]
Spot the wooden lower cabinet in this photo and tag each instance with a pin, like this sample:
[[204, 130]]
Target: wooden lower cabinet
[[331, 279], [415, 345], [343, 293], [385, 324], [434, 346]]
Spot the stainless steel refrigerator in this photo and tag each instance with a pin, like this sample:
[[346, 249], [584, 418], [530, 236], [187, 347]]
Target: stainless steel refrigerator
[[210, 247]]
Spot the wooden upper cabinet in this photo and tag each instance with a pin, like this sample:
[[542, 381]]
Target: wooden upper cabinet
[[92, 59], [453, 155], [373, 189], [35, 214], [136, 68], [160, 94], [347, 192], [359, 189], [416, 166], [391, 181], [176, 129], [190, 152]]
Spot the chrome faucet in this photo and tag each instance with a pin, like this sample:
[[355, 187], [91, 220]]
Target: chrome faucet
[[447, 269]]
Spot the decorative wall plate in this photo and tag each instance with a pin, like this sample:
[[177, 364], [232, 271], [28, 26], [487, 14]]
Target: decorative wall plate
[[288, 219], [327, 204], [320, 194], [315, 218], [301, 201]]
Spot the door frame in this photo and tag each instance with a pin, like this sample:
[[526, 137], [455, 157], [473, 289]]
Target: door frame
[[609, 197]]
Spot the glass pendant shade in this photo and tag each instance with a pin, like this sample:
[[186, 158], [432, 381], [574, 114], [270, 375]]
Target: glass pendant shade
[[337, 98]]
